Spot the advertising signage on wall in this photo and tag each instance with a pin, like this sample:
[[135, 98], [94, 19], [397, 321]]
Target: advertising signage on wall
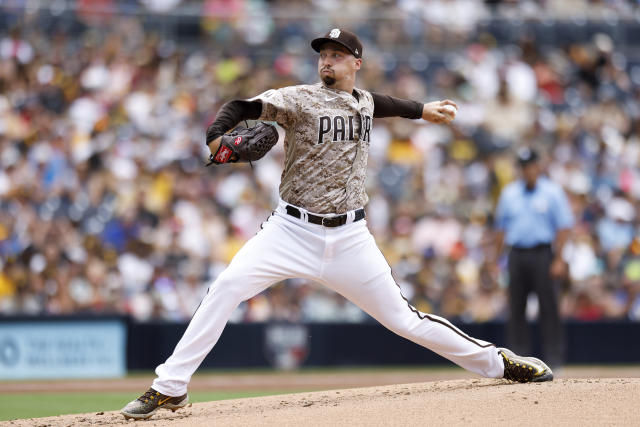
[[62, 349]]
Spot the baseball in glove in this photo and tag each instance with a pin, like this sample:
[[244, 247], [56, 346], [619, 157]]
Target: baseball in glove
[[245, 144]]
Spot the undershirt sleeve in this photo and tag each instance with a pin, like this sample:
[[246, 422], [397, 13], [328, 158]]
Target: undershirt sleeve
[[232, 113], [388, 106]]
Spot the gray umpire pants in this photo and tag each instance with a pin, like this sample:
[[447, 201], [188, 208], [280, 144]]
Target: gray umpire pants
[[529, 272]]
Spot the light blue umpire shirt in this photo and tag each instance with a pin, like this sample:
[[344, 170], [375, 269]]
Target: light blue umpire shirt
[[532, 217]]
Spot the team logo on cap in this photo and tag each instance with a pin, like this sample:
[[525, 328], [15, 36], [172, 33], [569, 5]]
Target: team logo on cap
[[335, 33]]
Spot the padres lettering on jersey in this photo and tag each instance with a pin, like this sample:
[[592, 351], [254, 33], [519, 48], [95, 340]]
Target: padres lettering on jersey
[[326, 145], [342, 128]]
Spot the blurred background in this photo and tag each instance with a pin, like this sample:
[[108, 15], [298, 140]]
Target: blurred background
[[106, 207]]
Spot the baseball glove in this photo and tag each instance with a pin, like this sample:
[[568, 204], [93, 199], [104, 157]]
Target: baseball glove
[[245, 144]]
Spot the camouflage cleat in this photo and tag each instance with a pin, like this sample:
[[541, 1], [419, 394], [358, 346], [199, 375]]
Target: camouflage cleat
[[147, 405], [524, 369]]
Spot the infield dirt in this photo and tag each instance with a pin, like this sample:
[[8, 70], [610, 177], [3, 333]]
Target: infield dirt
[[471, 401]]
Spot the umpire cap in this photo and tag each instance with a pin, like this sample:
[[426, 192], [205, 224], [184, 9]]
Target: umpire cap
[[343, 37], [526, 156]]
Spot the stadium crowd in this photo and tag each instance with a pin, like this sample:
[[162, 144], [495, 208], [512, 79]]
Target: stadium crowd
[[106, 206]]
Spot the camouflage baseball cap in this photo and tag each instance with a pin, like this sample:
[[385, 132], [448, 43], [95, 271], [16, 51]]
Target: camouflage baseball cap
[[343, 37]]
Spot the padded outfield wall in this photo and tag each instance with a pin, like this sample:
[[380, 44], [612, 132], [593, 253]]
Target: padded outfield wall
[[256, 345], [74, 347]]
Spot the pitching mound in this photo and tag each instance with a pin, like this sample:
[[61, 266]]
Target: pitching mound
[[610, 401]]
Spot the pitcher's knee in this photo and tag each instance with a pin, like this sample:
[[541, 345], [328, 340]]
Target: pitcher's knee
[[398, 326], [228, 291], [235, 288], [403, 322]]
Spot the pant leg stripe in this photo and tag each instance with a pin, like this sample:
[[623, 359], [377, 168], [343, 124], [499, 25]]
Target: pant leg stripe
[[440, 321], [448, 325], [201, 301]]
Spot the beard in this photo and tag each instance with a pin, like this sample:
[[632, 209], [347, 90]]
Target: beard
[[328, 80]]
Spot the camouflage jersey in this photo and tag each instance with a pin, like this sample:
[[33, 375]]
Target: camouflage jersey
[[326, 145]]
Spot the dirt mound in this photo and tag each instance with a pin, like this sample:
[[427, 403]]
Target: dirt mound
[[610, 401]]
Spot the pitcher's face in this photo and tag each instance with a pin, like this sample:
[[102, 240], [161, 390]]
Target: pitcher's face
[[336, 64]]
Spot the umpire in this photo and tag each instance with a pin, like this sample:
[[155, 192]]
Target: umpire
[[533, 219]]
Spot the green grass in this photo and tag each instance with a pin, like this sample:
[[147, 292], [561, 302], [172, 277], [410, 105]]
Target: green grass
[[33, 405]]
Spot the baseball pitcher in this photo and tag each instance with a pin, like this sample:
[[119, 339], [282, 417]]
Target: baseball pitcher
[[318, 230]]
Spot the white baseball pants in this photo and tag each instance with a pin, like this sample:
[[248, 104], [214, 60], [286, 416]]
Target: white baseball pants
[[345, 259]]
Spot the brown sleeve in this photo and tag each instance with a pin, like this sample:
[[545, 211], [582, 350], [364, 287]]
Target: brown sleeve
[[388, 106], [232, 113]]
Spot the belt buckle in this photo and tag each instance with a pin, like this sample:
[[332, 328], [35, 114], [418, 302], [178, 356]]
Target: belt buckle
[[330, 221]]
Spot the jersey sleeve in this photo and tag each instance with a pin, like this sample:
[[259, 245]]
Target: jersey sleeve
[[389, 106], [278, 105]]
